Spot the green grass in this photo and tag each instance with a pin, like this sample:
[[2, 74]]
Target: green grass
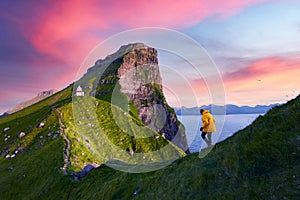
[[259, 162], [111, 133]]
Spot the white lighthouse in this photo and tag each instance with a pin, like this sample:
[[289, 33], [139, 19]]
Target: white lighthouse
[[79, 92]]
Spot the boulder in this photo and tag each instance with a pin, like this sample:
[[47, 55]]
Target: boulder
[[88, 168]]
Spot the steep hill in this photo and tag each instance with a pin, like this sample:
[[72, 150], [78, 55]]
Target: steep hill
[[130, 79], [80, 131], [260, 162]]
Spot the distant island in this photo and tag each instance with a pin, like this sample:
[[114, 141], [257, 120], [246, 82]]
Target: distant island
[[229, 108]]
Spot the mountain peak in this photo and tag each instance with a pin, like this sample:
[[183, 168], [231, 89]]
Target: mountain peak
[[136, 74]]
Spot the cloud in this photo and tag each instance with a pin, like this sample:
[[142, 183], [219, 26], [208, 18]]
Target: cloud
[[265, 70], [45, 40], [265, 79], [69, 28]]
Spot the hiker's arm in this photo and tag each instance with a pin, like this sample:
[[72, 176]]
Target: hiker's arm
[[205, 122]]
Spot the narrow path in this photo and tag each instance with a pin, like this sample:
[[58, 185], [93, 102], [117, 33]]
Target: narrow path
[[67, 143]]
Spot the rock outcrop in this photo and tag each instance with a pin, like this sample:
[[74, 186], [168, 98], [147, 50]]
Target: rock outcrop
[[136, 73]]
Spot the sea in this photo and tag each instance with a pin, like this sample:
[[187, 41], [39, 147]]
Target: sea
[[226, 126]]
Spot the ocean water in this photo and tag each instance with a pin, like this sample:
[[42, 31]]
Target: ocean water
[[226, 126]]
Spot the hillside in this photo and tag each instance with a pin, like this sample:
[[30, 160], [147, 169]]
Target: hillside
[[259, 162], [40, 96]]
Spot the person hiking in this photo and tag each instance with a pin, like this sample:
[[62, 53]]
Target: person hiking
[[208, 126]]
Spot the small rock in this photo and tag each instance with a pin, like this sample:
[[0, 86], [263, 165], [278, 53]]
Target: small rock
[[95, 165], [41, 136], [89, 125], [21, 134], [136, 191], [6, 129], [12, 156], [49, 134], [88, 146], [16, 151], [131, 153], [157, 136], [86, 170], [41, 125], [7, 156]]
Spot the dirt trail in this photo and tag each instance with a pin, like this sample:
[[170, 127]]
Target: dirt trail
[[67, 143]]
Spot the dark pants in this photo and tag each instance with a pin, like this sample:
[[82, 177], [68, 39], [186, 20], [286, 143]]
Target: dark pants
[[208, 139]]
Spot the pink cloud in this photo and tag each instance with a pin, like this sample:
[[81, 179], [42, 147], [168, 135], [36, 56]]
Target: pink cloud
[[63, 32], [169, 13], [69, 29], [272, 79], [266, 70], [266, 80]]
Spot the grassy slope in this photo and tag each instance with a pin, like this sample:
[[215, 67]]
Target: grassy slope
[[36, 170], [261, 161], [40, 159]]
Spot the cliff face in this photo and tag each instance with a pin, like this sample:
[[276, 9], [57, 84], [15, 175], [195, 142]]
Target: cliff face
[[137, 73]]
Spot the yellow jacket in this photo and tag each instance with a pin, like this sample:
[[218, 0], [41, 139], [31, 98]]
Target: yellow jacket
[[208, 122]]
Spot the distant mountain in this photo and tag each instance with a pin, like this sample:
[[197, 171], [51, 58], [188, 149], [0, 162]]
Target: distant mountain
[[229, 108], [40, 96]]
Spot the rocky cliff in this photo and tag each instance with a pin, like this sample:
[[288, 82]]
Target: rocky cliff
[[135, 76]]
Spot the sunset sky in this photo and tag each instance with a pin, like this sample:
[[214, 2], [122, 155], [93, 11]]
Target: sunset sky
[[255, 44]]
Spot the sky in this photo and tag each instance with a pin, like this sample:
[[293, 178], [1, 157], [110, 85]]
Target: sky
[[255, 44]]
